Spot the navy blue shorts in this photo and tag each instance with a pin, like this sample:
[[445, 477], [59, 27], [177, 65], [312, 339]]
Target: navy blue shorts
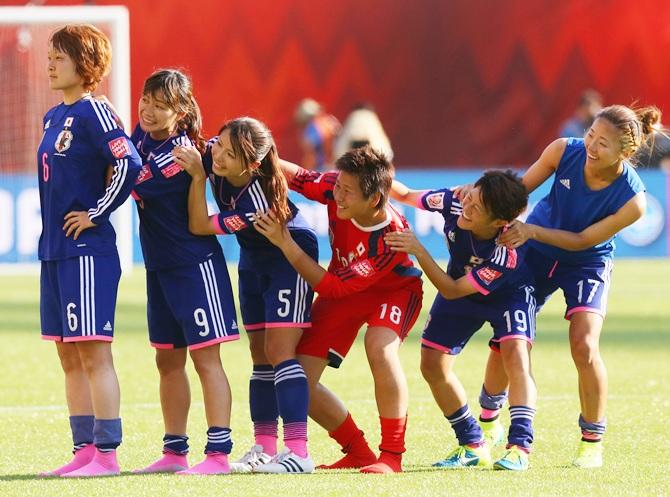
[[191, 306], [451, 323], [585, 287], [272, 293], [78, 298]]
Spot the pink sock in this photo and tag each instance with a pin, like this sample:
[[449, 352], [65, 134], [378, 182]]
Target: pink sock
[[268, 442], [214, 464], [169, 463], [488, 414], [103, 464], [298, 446], [81, 458]]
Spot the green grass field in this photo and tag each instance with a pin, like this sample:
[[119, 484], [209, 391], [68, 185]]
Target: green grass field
[[636, 347]]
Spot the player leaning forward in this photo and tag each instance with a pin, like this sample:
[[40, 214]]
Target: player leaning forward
[[80, 263], [365, 282]]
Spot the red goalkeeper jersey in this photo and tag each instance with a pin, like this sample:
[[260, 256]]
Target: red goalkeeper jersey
[[361, 259]]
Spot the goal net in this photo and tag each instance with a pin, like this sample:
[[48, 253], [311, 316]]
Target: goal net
[[25, 98]]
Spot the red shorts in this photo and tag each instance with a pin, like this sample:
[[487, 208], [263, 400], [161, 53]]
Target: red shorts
[[336, 321]]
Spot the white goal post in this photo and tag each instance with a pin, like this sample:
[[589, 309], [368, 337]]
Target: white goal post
[[114, 21]]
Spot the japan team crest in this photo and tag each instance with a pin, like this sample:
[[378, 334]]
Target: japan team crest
[[63, 141]]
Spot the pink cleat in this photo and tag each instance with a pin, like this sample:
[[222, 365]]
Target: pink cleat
[[169, 463], [214, 464], [103, 464], [81, 458]]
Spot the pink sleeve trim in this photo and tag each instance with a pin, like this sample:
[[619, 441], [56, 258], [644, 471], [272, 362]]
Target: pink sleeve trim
[[52, 338], [162, 345], [570, 312], [476, 284], [514, 337], [213, 342], [217, 225], [436, 346], [419, 201], [89, 338]]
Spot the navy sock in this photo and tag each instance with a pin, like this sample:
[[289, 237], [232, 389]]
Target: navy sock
[[175, 444], [292, 391], [521, 426], [490, 403], [107, 434], [218, 440], [592, 432], [262, 398], [465, 426], [82, 431]]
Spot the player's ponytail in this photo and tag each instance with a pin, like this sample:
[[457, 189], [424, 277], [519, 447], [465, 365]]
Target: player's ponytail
[[252, 141], [191, 123]]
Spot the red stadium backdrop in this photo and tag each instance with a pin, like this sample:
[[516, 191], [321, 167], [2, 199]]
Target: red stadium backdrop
[[458, 82]]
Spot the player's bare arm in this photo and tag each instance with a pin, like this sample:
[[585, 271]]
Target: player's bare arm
[[401, 193], [268, 225], [289, 169], [545, 166], [449, 288], [519, 232]]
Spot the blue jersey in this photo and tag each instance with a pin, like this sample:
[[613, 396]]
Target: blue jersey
[[238, 207], [79, 142], [161, 191], [491, 268], [573, 206]]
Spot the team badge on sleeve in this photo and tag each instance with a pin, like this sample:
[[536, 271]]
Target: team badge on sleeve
[[435, 200], [171, 170], [145, 174], [488, 275], [234, 223], [119, 147]]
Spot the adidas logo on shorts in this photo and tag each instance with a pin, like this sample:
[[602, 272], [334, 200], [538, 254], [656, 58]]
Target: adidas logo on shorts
[[565, 183], [108, 326]]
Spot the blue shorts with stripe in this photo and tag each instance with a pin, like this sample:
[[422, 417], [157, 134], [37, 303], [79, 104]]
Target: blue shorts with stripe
[[451, 323], [191, 305], [585, 287], [272, 293], [78, 298]]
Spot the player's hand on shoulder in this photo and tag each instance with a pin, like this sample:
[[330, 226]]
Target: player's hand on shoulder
[[76, 222], [189, 159], [267, 224], [461, 191], [110, 106], [404, 241], [516, 234]]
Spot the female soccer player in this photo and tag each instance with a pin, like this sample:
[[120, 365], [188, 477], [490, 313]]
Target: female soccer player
[[189, 297], [596, 193], [275, 300], [80, 263]]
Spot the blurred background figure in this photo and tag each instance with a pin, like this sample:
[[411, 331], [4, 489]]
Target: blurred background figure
[[363, 127], [590, 102], [317, 130]]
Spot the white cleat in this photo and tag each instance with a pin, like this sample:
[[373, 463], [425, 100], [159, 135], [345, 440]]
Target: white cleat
[[287, 462], [246, 464]]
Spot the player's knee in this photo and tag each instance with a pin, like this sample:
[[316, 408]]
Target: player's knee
[[170, 364], [585, 353], [207, 365], [432, 370], [70, 362]]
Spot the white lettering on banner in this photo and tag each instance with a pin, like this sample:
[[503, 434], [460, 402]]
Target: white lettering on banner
[[6, 221], [426, 221], [28, 221]]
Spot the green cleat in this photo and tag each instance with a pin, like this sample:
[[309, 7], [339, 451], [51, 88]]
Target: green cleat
[[494, 433], [515, 459], [465, 456], [589, 455]]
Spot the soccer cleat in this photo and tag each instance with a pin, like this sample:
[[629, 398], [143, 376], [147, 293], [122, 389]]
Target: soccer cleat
[[169, 463], [589, 455], [465, 456], [214, 464], [246, 464], [286, 462], [515, 459], [102, 464], [494, 433], [81, 458]]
